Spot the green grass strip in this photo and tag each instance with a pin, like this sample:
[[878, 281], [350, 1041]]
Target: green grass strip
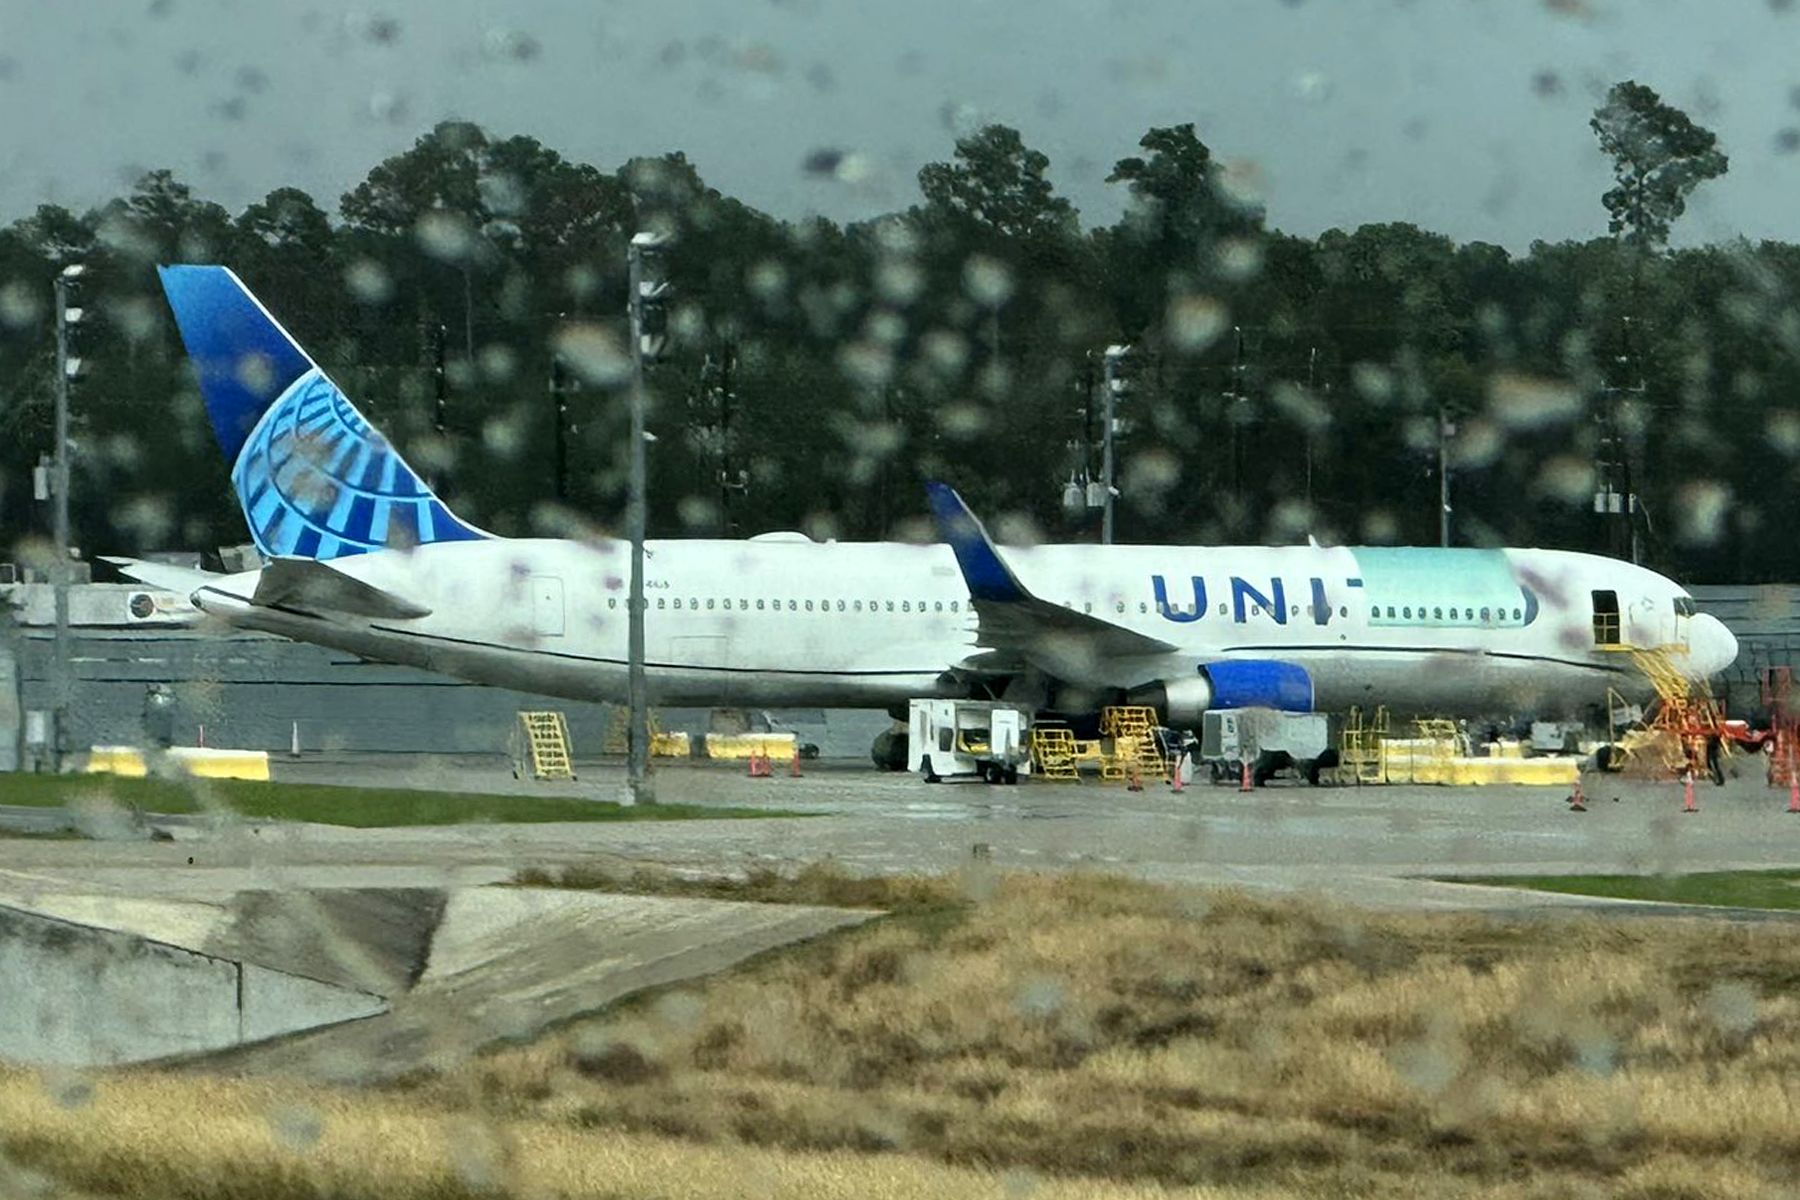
[[357, 807], [1773, 889]]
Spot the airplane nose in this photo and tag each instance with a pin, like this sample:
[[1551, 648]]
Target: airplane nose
[[1711, 646]]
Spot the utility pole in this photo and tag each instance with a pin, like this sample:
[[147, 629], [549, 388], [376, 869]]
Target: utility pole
[[559, 413], [1235, 417], [1615, 496], [1115, 385], [66, 368], [1081, 492], [1312, 364], [731, 482], [440, 398], [648, 340], [1446, 429]]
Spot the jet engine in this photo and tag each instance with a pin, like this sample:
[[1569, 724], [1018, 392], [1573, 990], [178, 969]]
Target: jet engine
[[1228, 684]]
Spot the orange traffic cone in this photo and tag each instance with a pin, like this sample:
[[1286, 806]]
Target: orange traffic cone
[[1687, 789], [794, 770], [1244, 783], [1577, 802], [1793, 792]]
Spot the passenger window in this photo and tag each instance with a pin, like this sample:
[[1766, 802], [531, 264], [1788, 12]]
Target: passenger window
[[955, 606], [1344, 611], [1375, 614], [809, 606], [660, 602], [1517, 615], [890, 605], [1484, 615], [1391, 612], [840, 606], [906, 606], [1087, 606], [857, 607], [793, 606], [1222, 608], [709, 605], [1294, 610], [1407, 613], [678, 602], [1437, 614], [938, 606], [1256, 610], [612, 602], [759, 606], [1142, 607]]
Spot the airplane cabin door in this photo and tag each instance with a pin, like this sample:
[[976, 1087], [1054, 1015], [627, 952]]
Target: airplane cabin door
[[1607, 631], [546, 606]]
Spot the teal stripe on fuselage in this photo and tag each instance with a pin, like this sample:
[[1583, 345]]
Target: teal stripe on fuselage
[[1441, 587]]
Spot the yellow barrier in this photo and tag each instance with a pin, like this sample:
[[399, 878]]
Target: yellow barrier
[[670, 745], [202, 762], [1464, 772], [743, 745]]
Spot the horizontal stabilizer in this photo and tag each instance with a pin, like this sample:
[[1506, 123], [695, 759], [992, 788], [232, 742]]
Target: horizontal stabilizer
[[306, 583], [184, 581]]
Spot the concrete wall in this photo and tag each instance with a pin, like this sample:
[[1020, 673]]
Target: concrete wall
[[249, 690], [77, 995]]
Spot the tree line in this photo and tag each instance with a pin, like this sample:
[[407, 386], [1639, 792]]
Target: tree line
[[1279, 386]]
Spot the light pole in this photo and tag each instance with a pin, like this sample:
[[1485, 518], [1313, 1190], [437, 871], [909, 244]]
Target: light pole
[[648, 339], [67, 367]]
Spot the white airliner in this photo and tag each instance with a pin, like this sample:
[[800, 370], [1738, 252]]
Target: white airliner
[[363, 557]]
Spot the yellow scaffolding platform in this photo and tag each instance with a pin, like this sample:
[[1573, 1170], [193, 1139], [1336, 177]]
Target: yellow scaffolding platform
[[544, 746], [1133, 730], [1053, 751], [1359, 746]]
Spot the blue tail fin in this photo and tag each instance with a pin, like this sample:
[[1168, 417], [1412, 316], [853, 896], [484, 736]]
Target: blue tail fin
[[315, 479]]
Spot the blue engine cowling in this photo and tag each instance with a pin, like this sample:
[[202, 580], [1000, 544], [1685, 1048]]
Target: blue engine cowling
[[1236, 683]]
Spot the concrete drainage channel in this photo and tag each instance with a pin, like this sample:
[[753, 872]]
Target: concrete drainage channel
[[349, 984]]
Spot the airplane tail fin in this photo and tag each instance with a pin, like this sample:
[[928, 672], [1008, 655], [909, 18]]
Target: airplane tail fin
[[315, 479]]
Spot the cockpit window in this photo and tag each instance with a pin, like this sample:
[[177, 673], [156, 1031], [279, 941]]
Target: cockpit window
[[1684, 606]]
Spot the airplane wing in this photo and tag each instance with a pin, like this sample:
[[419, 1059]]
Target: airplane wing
[[1011, 618]]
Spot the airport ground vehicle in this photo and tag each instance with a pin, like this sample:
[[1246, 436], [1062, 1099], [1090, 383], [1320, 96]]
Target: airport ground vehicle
[[948, 739], [1266, 740]]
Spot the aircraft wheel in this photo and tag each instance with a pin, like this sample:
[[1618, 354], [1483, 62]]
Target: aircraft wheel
[[931, 776], [1011, 776]]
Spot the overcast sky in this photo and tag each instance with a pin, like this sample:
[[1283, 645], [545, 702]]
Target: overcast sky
[[1466, 116]]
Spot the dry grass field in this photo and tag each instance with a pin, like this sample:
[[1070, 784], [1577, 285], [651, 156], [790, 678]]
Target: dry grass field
[[1051, 1036]]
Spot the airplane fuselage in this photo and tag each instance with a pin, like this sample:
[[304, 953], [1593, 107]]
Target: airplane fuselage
[[780, 622]]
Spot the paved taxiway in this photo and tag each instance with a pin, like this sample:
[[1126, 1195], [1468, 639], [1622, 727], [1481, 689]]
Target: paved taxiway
[[1372, 845]]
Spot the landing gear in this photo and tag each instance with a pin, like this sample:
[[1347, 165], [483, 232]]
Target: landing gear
[[930, 775], [889, 750]]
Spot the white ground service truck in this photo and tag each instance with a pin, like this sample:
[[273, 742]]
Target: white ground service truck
[[949, 739]]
